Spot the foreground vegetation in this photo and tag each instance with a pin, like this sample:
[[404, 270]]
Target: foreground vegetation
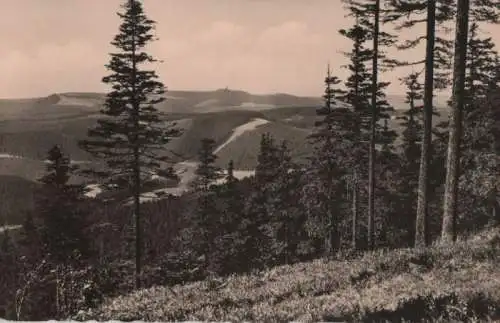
[[459, 282]]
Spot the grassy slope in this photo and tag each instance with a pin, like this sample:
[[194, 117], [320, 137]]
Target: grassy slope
[[395, 285]]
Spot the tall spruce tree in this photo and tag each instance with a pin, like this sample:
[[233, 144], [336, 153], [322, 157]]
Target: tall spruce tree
[[411, 121], [366, 95], [284, 211], [449, 229], [230, 239], [131, 136], [257, 226], [364, 11], [358, 95], [332, 139], [438, 51], [207, 217], [373, 123], [475, 199]]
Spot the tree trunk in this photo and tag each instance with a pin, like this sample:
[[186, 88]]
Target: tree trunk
[[355, 208], [421, 234], [373, 123], [136, 170], [449, 229], [137, 213]]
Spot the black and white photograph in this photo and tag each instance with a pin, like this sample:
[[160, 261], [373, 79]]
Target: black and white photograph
[[250, 160]]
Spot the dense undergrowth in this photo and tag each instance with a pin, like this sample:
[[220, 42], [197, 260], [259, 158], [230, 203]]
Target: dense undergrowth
[[441, 283]]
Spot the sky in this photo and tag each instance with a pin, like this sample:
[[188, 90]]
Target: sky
[[260, 46]]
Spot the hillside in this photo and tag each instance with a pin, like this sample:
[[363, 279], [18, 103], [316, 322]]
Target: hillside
[[17, 197], [30, 127], [442, 283]]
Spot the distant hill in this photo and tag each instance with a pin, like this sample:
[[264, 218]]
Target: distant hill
[[30, 127]]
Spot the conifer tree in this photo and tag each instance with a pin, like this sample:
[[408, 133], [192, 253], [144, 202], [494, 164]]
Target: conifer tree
[[438, 51], [358, 94], [411, 121], [206, 172], [367, 97], [57, 208], [131, 136], [230, 239], [475, 199], [332, 139], [207, 216], [364, 10], [283, 210], [373, 123], [267, 161]]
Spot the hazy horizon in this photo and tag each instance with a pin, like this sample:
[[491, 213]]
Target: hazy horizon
[[258, 46]]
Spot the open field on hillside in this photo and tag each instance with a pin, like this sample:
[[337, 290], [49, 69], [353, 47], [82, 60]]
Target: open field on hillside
[[442, 283]]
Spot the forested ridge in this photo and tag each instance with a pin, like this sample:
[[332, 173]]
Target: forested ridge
[[369, 212]]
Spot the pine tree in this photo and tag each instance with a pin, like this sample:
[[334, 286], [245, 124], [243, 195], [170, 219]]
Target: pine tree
[[207, 217], [283, 210], [421, 231], [58, 209], [258, 225], [373, 123], [481, 69], [411, 121], [332, 139], [439, 13], [230, 239], [476, 194], [449, 229], [207, 173], [363, 10], [367, 97], [267, 161], [131, 136], [438, 69]]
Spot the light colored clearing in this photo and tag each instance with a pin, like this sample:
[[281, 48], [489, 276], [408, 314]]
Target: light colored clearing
[[10, 156], [294, 118], [77, 101], [9, 228], [207, 103], [240, 130], [186, 172], [239, 174], [259, 106], [93, 190], [171, 97]]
